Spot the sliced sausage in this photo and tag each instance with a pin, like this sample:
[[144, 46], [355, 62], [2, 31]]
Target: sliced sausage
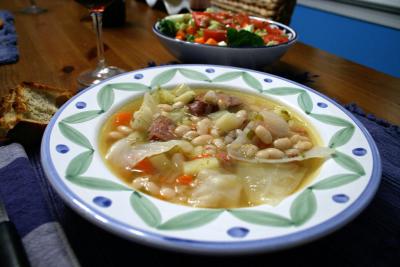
[[201, 108], [162, 129]]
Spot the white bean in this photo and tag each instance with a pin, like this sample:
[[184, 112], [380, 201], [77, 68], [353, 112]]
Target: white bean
[[177, 105], [241, 115], [115, 135], [292, 152], [296, 138], [210, 97], [167, 192], [190, 135], [219, 143], [202, 140], [303, 145], [164, 113], [203, 126], [124, 129], [263, 134], [181, 130], [283, 143], [215, 132], [152, 188], [139, 182], [165, 107], [270, 153]]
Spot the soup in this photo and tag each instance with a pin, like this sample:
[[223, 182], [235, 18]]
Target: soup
[[210, 148]]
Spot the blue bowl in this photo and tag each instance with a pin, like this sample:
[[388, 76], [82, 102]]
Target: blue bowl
[[249, 57]]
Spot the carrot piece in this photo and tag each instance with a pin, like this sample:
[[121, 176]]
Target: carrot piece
[[199, 40], [184, 179], [202, 156], [211, 41], [145, 166], [180, 33], [190, 30], [122, 118], [179, 37]]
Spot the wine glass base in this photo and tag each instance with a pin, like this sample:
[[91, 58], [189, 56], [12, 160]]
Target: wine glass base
[[91, 77], [33, 10]]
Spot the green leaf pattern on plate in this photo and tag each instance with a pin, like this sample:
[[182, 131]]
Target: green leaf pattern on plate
[[74, 135], [145, 209], [163, 77], [129, 86], [98, 183], [82, 116], [261, 217], [190, 220], [283, 91], [305, 102], [335, 181], [252, 82], [194, 75], [348, 163], [79, 164], [228, 76], [302, 208], [341, 137], [105, 97], [332, 120]]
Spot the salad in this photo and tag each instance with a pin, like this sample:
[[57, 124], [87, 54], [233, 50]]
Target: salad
[[223, 29]]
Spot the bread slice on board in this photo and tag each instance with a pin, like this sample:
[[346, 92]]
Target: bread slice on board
[[28, 108]]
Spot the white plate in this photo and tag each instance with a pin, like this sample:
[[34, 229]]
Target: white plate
[[344, 186]]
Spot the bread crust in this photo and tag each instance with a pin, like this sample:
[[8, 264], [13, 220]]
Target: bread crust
[[14, 105]]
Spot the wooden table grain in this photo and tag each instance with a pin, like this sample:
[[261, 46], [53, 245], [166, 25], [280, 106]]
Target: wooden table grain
[[56, 46]]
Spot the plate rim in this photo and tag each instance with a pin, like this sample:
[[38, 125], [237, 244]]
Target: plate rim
[[212, 247]]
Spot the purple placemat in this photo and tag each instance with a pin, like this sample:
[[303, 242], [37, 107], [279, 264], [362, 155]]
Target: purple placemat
[[8, 39]]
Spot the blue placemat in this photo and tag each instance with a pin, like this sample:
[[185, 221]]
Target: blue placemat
[[8, 39], [372, 239]]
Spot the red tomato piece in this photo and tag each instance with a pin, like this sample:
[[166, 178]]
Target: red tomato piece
[[217, 35], [201, 19], [259, 24]]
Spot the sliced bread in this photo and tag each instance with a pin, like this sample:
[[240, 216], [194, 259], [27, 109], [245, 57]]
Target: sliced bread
[[30, 105]]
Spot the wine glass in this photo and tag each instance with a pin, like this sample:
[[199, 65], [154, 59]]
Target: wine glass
[[33, 8], [102, 71]]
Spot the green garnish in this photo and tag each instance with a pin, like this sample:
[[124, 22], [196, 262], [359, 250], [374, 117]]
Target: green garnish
[[167, 27], [190, 38], [243, 38]]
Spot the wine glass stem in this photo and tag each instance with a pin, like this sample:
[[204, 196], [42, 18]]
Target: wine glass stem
[[97, 25]]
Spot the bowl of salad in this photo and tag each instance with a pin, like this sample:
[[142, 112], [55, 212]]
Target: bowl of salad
[[225, 38]]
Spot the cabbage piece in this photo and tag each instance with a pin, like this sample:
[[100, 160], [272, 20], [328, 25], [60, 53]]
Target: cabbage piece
[[143, 118], [214, 189], [315, 152], [126, 154], [269, 183]]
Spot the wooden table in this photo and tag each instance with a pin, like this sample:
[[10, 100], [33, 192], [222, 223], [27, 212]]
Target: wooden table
[[56, 46]]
